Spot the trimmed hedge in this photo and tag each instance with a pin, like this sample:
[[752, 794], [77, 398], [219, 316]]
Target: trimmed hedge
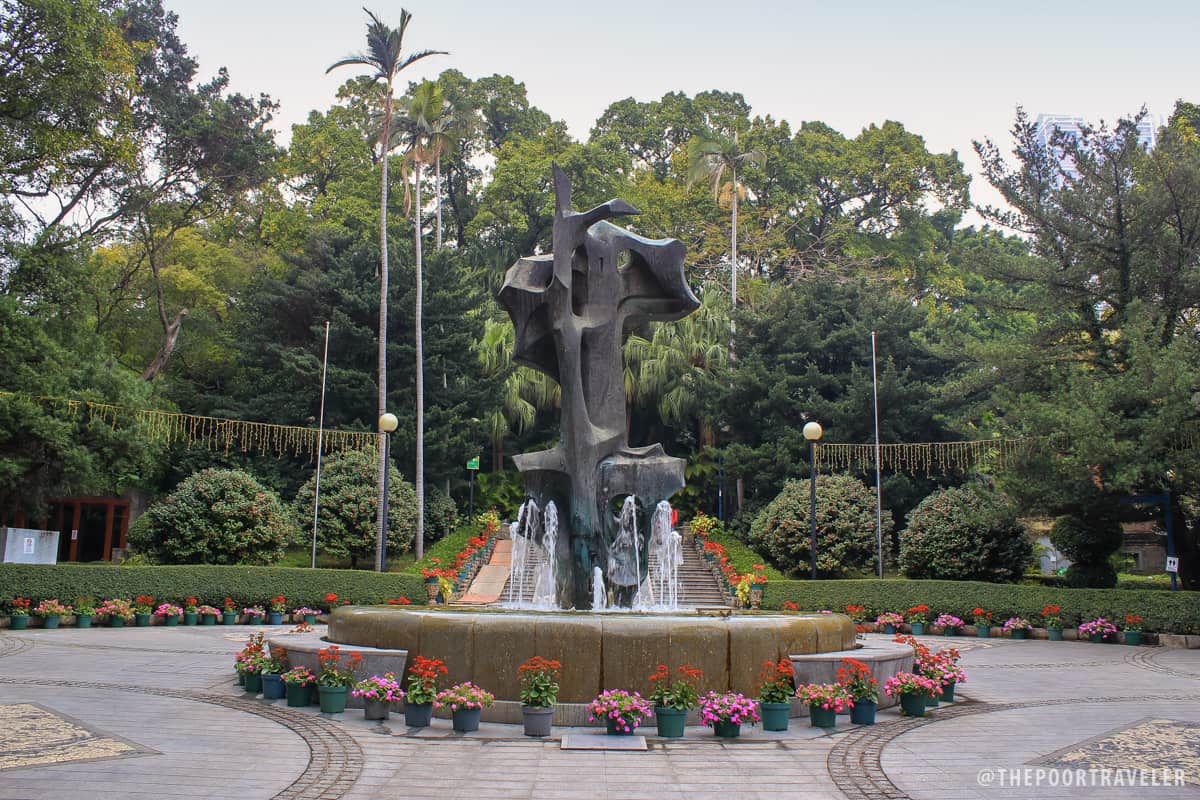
[[445, 549], [1162, 611], [210, 584]]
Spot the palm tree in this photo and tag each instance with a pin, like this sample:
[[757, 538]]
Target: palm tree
[[385, 55], [525, 392], [715, 157]]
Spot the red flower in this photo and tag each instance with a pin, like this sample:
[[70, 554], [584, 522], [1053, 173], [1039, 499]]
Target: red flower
[[791, 605], [331, 598]]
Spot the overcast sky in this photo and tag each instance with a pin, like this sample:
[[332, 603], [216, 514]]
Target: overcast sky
[[946, 70]]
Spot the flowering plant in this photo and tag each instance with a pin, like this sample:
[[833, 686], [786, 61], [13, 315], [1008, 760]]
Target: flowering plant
[[488, 521], [254, 611], [1052, 616], [682, 693], [423, 679], [383, 688], [206, 611], [464, 697], [889, 618], [190, 604], [539, 681], [142, 604], [278, 604], [167, 610], [910, 683], [728, 707], [298, 676], [430, 572], [777, 681], [250, 662], [981, 617], [1133, 622], [918, 613], [702, 525], [333, 671], [855, 612], [948, 621], [1017, 624], [85, 607], [942, 667], [625, 710], [19, 607], [399, 601], [1099, 626], [51, 608], [829, 696], [230, 605], [790, 605], [304, 611], [116, 607], [856, 677]]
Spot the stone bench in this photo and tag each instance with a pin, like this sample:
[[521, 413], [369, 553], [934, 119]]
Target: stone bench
[[301, 649]]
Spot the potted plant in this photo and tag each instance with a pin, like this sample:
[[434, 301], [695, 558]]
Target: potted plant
[[1017, 627], [539, 692], [143, 608], [18, 614], [673, 699], [621, 711], [775, 693], [422, 690], [825, 701], [431, 575], [169, 613], [272, 674], [335, 678], [917, 616], [229, 615], [298, 682], [1133, 629], [913, 690], [278, 604], [51, 611], [251, 665], [1097, 630], [208, 615], [378, 693], [758, 579], [254, 647], [116, 610], [191, 612], [254, 615], [949, 624], [942, 668], [983, 622], [306, 614], [726, 713], [890, 620], [85, 609], [856, 613], [863, 690], [1052, 619], [466, 702]]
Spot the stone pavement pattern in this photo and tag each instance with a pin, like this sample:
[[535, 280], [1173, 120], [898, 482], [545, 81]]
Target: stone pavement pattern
[[156, 713]]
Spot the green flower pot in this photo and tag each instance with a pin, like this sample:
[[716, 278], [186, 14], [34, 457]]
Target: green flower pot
[[1133, 638], [918, 629], [272, 685], [889, 629], [983, 631], [1020, 633], [948, 692], [83, 621], [822, 717], [229, 618], [51, 621], [670, 721], [190, 617], [1055, 634], [18, 622], [141, 620], [950, 630], [775, 716], [418, 715], [116, 622], [171, 622], [726, 729], [333, 698], [913, 705], [932, 700], [209, 619], [274, 617], [863, 712], [298, 694], [611, 726], [253, 682], [310, 619], [241, 678]]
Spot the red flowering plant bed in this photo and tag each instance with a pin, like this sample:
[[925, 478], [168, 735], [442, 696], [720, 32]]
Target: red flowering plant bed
[[682, 693]]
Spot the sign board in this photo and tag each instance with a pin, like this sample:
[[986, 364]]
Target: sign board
[[30, 546], [473, 463], [1172, 563]]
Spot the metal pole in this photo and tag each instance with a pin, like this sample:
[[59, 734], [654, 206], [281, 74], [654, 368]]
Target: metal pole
[[471, 501], [812, 507], [387, 444], [320, 445], [1171, 539], [878, 486]]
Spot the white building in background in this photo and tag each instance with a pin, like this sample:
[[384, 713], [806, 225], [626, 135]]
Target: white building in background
[[1047, 123]]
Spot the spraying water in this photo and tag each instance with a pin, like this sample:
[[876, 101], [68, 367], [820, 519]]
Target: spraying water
[[665, 556], [545, 587], [522, 532], [599, 596]]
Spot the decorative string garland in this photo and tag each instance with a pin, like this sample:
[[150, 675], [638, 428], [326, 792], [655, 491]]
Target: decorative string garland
[[933, 457], [214, 433]]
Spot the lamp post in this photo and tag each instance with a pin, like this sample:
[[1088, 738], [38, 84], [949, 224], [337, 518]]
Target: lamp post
[[387, 424], [812, 432]]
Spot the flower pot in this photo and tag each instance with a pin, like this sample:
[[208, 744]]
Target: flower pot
[[1055, 634], [333, 698], [913, 705], [726, 729], [612, 729], [1096, 638], [83, 620], [537, 719], [932, 700], [948, 692], [18, 622], [241, 678], [1131, 637], [466, 720], [253, 682], [756, 597], [116, 622], [51, 621], [298, 694], [983, 631], [274, 617], [170, 622], [191, 617], [822, 717], [229, 618], [950, 630], [272, 685], [210, 619], [863, 712], [141, 620], [918, 629], [375, 709], [889, 628], [431, 589], [670, 721], [418, 715], [1020, 633], [775, 716], [310, 619]]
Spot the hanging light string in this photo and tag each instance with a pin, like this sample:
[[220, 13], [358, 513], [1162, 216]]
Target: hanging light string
[[214, 433], [933, 457]]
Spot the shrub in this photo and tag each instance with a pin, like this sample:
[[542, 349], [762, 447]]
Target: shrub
[[346, 526], [845, 526], [441, 516], [970, 533], [215, 516], [1089, 537]]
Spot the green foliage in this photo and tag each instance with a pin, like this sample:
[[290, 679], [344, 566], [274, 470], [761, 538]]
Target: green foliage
[[216, 517], [441, 516], [1164, 611], [504, 491], [1089, 537], [969, 534], [742, 556], [347, 523], [846, 541], [444, 550], [209, 584]]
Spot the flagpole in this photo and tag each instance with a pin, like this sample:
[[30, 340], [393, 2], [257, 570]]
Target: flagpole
[[320, 444], [878, 488]]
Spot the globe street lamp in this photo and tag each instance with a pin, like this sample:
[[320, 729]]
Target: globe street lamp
[[387, 424], [812, 432]]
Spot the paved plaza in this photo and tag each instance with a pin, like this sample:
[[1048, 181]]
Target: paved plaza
[[157, 713]]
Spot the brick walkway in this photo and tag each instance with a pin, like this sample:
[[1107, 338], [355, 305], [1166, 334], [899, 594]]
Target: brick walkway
[[155, 713]]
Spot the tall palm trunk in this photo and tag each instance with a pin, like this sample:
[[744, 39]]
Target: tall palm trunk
[[384, 139], [437, 192], [420, 467], [733, 260]]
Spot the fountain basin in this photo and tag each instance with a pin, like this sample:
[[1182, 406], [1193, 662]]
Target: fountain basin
[[615, 650]]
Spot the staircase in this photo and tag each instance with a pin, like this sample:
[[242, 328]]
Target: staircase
[[697, 586], [533, 560]]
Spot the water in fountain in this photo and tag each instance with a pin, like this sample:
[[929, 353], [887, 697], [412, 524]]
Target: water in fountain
[[521, 532], [666, 553], [599, 596], [545, 587]]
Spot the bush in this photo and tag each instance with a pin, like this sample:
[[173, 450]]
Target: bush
[[346, 525], [441, 516], [211, 585], [970, 533], [845, 527], [215, 516], [1163, 611], [1089, 537]]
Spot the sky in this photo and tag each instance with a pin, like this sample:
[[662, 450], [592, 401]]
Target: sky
[[951, 72]]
